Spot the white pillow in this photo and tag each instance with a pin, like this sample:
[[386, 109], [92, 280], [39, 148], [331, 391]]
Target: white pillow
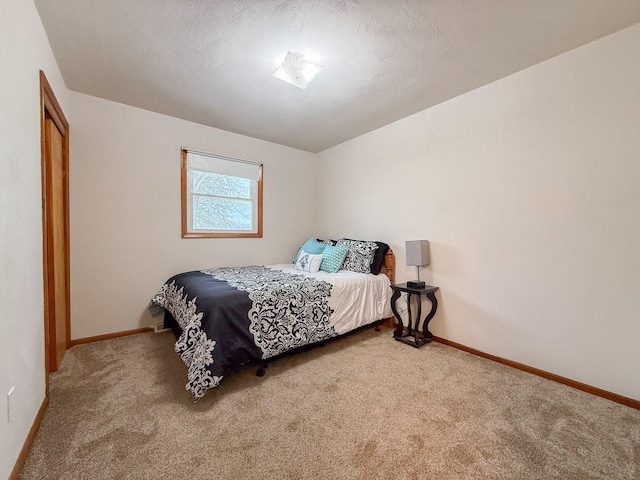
[[308, 262]]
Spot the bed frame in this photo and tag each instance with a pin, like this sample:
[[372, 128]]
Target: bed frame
[[389, 270], [390, 266]]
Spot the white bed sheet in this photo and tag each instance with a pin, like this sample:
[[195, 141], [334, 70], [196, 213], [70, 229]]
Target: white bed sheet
[[357, 299]]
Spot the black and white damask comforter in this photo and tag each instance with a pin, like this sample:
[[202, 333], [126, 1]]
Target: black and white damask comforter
[[230, 316]]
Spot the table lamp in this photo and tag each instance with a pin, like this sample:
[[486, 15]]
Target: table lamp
[[418, 256]]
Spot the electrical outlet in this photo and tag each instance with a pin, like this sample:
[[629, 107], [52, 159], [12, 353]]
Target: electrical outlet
[[9, 394], [159, 328]]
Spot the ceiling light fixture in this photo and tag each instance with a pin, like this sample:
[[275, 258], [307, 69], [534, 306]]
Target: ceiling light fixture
[[296, 70]]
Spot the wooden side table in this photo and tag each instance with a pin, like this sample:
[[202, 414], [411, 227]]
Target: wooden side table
[[413, 336]]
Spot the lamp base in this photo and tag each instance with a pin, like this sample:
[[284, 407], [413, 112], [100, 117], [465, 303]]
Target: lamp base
[[415, 284]]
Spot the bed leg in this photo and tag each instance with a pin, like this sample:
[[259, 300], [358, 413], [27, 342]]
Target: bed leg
[[262, 370]]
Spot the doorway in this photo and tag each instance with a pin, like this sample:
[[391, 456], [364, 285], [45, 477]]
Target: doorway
[[54, 138]]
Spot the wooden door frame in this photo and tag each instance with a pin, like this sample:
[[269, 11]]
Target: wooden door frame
[[49, 107]]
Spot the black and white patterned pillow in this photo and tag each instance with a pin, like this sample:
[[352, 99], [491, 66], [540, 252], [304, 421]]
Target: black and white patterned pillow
[[360, 255], [327, 241]]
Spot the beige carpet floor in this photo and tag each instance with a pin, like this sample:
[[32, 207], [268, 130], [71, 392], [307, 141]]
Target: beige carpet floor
[[361, 407]]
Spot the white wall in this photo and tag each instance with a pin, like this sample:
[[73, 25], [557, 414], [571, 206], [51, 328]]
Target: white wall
[[125, 209], [24, 50], [529, 190]]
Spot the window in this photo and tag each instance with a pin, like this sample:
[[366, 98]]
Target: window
[[221, 197]]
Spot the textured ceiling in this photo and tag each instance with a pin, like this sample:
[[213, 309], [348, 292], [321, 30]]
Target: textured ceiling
[[211, 62]]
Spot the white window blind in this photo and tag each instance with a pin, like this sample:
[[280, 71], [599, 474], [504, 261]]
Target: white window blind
[[223, 166]]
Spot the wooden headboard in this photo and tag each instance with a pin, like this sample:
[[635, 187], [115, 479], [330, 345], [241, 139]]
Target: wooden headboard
[[390, 266]]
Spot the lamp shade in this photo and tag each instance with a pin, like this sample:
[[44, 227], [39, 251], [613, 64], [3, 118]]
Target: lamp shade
[[417, 253]]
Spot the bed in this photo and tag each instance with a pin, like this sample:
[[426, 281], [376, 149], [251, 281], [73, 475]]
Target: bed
[[229, 316]]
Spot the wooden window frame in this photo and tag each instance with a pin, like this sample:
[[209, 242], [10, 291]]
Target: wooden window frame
[[185, 200]]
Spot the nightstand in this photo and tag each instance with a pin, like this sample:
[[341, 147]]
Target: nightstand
[[413, 336]]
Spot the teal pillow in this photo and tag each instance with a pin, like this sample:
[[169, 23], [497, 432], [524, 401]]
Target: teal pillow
[[311, 246], [332, 258]]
